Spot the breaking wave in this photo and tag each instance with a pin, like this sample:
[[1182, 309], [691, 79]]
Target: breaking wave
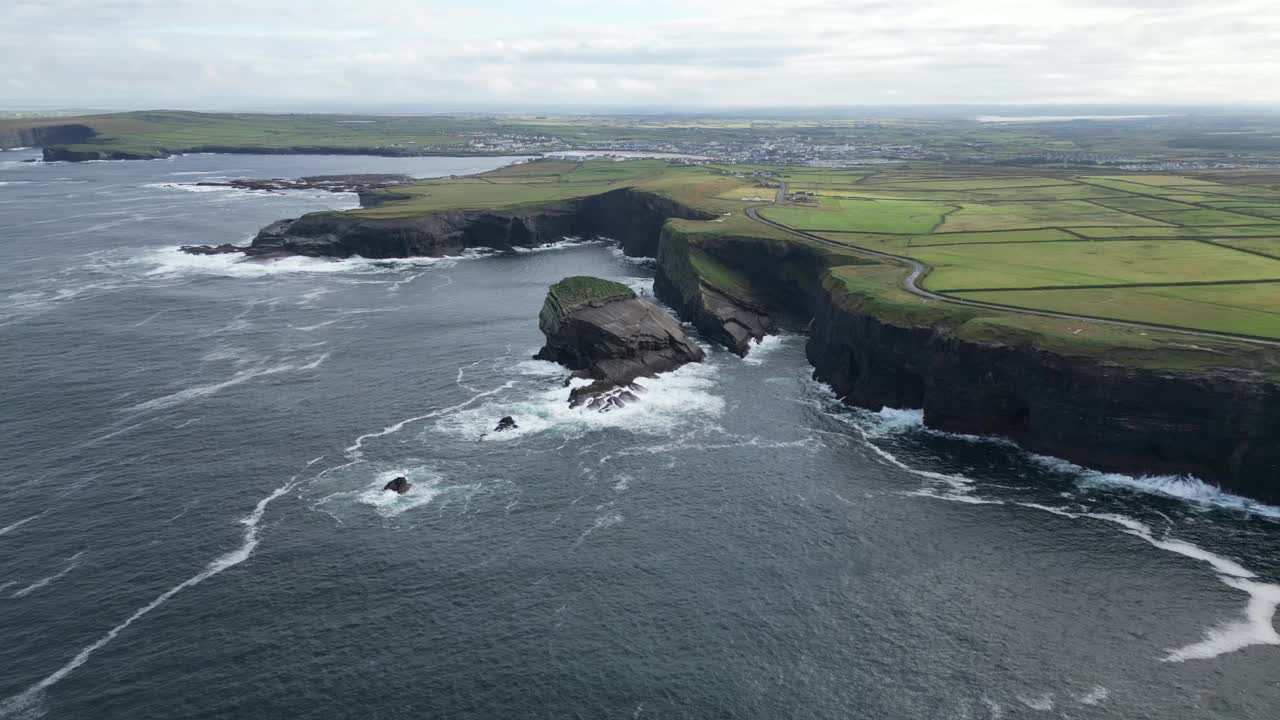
[[669, 401], [1255, 627], [1181, 487], [762, 348]]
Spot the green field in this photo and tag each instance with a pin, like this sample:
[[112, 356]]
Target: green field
[[1244, 309], [862, 215], [1160, 261], [550, 180], [1088, 263], [1018, 157], [1135, 230]]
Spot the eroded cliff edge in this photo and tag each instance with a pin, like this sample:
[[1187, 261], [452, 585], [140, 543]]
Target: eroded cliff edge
[[1220, 423], [633, 218]]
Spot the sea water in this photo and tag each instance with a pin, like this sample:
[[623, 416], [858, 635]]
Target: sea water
[[192, 522]]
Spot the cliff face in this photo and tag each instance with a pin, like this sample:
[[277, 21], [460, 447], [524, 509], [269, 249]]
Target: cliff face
[[736, 289], [47, 135], [1221, 426], [62, 154], [633, 218]]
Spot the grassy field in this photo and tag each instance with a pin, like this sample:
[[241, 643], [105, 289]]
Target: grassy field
[[1245, 309], [551, 180], [862, 215], [167, 131], [1005, 240], [1122, 255]]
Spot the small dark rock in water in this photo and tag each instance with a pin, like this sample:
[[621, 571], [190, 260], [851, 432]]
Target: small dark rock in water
[[400, 485], [223, 249], [506, 423]]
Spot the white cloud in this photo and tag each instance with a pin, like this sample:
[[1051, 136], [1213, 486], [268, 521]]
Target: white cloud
[[265, 53]]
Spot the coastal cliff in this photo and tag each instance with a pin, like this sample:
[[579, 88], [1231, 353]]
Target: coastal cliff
[[631, 217], [46, 135], [1221, 425]]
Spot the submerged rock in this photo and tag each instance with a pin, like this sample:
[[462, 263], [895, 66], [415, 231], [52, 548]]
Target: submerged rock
[[399, 485], [600, 329], [506, 423]]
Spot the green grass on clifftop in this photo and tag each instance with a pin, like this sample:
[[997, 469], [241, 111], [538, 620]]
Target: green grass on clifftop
[[1150, 248], [579, 290]]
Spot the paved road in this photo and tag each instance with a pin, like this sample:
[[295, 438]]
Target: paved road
[[919, 270]]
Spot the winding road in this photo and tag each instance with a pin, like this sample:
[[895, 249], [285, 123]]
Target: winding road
[[919, 270]]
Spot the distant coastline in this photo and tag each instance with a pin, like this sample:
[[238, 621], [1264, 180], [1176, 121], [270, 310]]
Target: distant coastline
[[1060, 118]]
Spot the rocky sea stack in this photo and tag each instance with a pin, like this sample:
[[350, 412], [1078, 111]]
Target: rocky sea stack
[[603, 331]]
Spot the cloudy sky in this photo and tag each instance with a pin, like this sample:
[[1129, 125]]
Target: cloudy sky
[[344, 54]]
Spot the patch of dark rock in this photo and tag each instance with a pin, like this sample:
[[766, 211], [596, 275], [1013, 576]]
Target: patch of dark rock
[[399, 485], [223, 249]]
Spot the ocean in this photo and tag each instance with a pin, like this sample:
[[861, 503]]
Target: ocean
[[192, 523]]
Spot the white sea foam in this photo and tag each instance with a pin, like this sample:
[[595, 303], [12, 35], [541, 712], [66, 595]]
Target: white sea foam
[[1096, 695], [342, 200], [669, 401], [198, 391], [354, 450], [618, 253], [758, 350], [172, 261], [1182, 487], [960, 497], [14, 526], [564, 244], [27, 699], [539, 368], [1255, 628], [1042, 703], [72, 563], [426, 486], [890, 421], [1048, 509], [640, 286], [608, 519]]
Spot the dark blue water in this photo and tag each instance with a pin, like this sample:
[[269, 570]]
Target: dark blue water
[[191, 521]]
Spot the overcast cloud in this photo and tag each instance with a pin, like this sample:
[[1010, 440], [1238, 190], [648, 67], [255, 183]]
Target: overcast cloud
[[693, 53]]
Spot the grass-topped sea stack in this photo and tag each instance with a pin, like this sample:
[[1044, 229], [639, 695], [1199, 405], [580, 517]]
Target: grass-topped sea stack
[[602, 331]]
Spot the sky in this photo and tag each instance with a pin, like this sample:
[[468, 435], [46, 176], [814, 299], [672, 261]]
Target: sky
[[697, 54]]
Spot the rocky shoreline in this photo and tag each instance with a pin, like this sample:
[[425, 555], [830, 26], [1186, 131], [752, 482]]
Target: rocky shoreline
[[359, 183], [1219, 425]]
